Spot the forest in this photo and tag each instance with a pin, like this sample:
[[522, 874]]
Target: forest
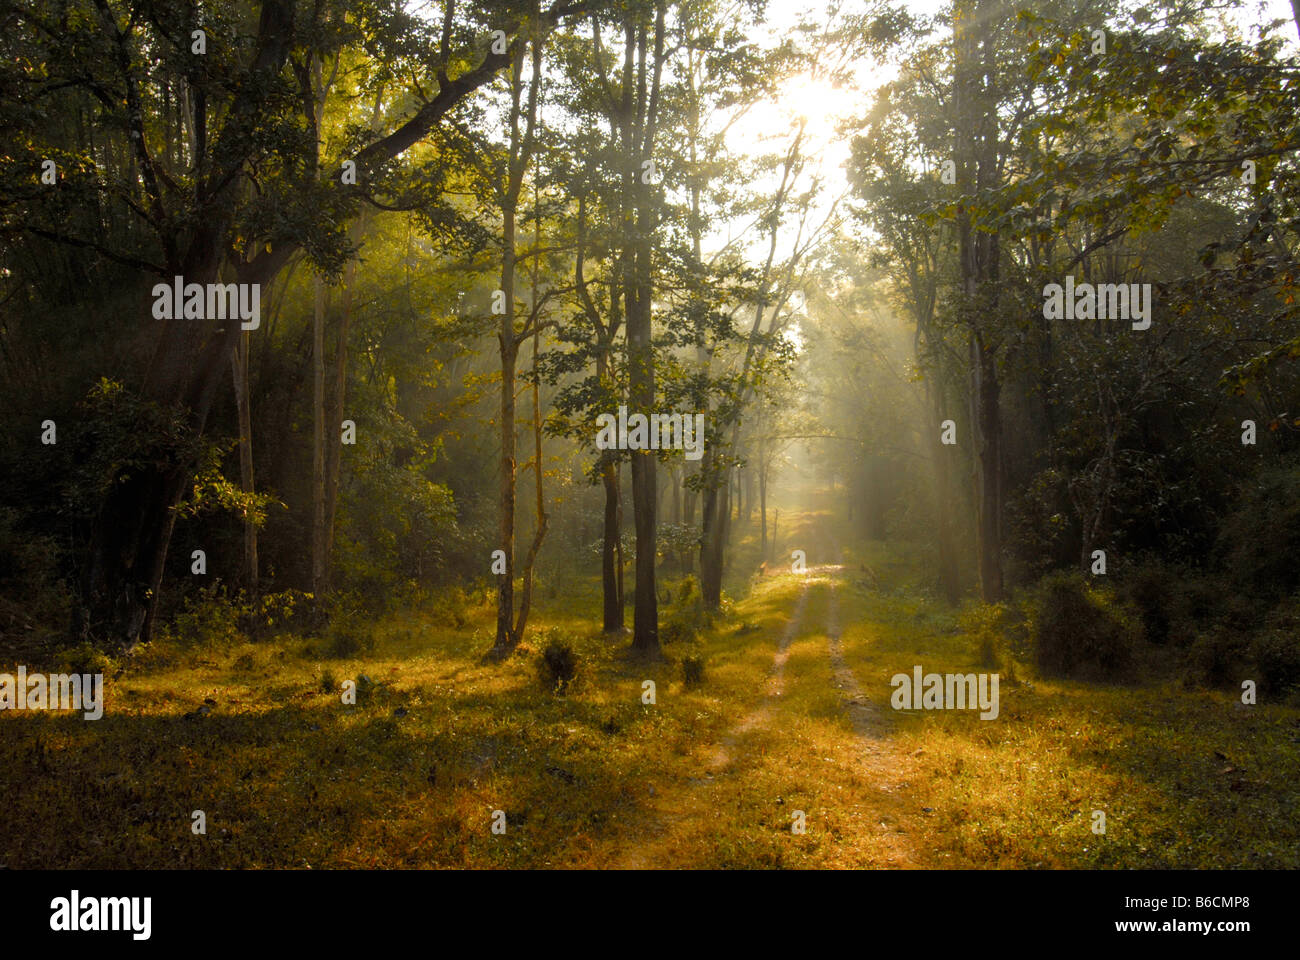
[[650, 433]]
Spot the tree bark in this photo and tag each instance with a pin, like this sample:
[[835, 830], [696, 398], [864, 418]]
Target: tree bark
[[243, 412], [978, 252]]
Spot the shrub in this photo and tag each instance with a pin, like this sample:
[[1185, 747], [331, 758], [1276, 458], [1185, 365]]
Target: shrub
[[1277, 661], [1150, 592], [558, 666], [450, 607], [1215, 656], [347, 636], [1275, 651], [1077, 630], [34, 599], [85, 658], [693, 671], [327, 681], [287, 610], [1261, 537], [209, 617], [983, 623]]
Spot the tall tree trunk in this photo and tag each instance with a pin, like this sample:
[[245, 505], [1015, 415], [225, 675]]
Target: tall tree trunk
[[507, 636], [334, 436], [611, 554], [319, 413], [711, 533], [239, 374], [978, 252], [506, 520], [641, 370], [948, 574], [539, 533]]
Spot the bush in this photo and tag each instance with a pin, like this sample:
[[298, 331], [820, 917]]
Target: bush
[[1215, 656], [1078, 631], [558, 666], [1276, 650], [693, 671], [285, 611], [1261, 537], [450, 607], [85, 658], [209, 617], [34, 600], [988, 624], [348, 635], [687, 618], [1150, 593], [1277, 661]]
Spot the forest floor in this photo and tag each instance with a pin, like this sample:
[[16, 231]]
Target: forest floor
[[791, 723]]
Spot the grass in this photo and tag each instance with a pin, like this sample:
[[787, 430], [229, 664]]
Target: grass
[[708, 776], [1188, 779]]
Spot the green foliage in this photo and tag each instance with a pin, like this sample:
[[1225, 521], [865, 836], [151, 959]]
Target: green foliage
[[119, 433], [686, 618], [393, 521], [998, 631], [35, 602], [85, 657], [451, 606], [1151, 592], [1275, 650], [209, 617], [1260, 538], [350, 633], [1078, 630], [283, 611], [1216, 656]]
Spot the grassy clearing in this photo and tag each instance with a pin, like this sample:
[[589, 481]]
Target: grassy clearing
[[289, 776], [709, 776]]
